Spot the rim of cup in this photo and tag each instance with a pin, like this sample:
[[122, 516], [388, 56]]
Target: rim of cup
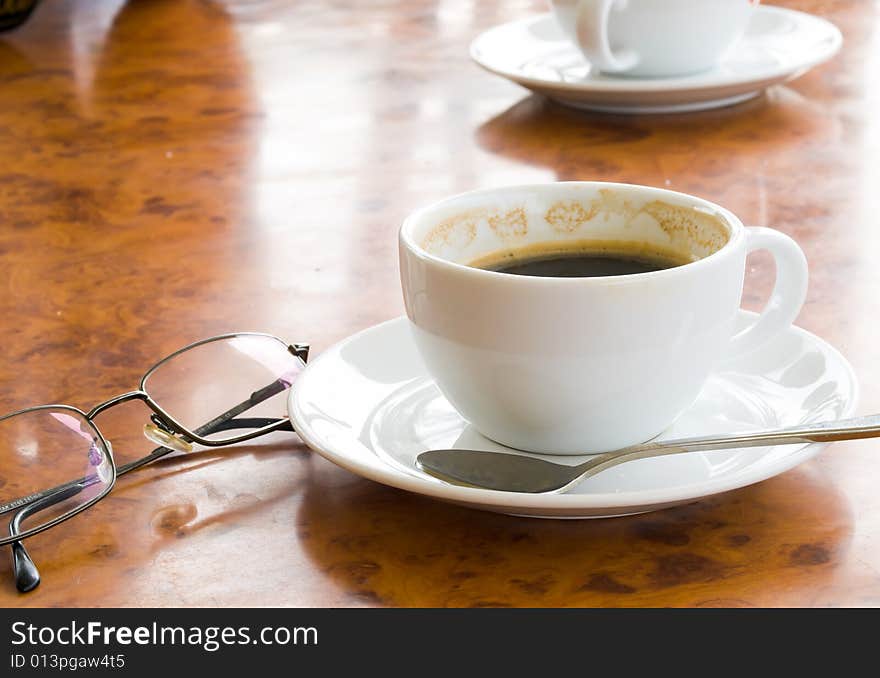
[[736, 233]]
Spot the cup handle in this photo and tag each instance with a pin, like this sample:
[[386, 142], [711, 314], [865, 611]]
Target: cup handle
[[591, 29], [789, 290]]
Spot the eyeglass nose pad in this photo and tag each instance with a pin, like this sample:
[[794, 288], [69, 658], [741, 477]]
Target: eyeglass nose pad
[[165, 439], [96, 459]]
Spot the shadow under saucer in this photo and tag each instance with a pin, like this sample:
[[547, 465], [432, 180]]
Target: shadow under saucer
[[384, 546], [659, 149]]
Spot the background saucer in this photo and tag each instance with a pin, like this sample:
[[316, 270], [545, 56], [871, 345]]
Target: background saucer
[[779, 45], [368, 405]]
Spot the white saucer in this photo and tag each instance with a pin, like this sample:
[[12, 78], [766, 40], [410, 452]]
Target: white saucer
[[779, 45], [368, 405]]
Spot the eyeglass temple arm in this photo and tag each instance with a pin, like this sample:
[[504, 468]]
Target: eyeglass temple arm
[[157, 453], [27, 576], [252, 422], [218, 423], [245, 422], [224, 422]]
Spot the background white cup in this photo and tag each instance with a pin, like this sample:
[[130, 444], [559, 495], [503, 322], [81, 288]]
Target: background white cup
[[579, 365], [653, 38]]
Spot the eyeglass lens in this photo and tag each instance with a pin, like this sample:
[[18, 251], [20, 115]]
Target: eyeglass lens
[[236, 375], [53, 460]]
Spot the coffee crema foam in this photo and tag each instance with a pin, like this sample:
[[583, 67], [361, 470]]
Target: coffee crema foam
[[680, 232]]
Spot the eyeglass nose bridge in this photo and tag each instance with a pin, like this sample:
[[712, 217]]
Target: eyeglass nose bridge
[[157, 432]]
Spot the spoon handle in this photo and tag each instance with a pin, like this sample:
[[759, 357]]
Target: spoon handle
[[842, 429]]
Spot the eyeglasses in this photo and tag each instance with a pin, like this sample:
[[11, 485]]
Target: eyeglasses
[[55, 462]]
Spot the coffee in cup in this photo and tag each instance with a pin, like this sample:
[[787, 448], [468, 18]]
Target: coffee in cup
[[551, 260], [562, 364]]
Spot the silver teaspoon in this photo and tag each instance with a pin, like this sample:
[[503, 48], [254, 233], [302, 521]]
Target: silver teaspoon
[[517, 473]]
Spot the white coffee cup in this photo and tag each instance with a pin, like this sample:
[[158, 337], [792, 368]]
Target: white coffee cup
[[580, 365], [653, 38]]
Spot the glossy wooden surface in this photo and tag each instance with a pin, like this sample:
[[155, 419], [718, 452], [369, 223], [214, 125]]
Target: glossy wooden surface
[[175, 169]]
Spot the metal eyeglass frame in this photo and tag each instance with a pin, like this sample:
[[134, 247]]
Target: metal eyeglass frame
[[27, 576]]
